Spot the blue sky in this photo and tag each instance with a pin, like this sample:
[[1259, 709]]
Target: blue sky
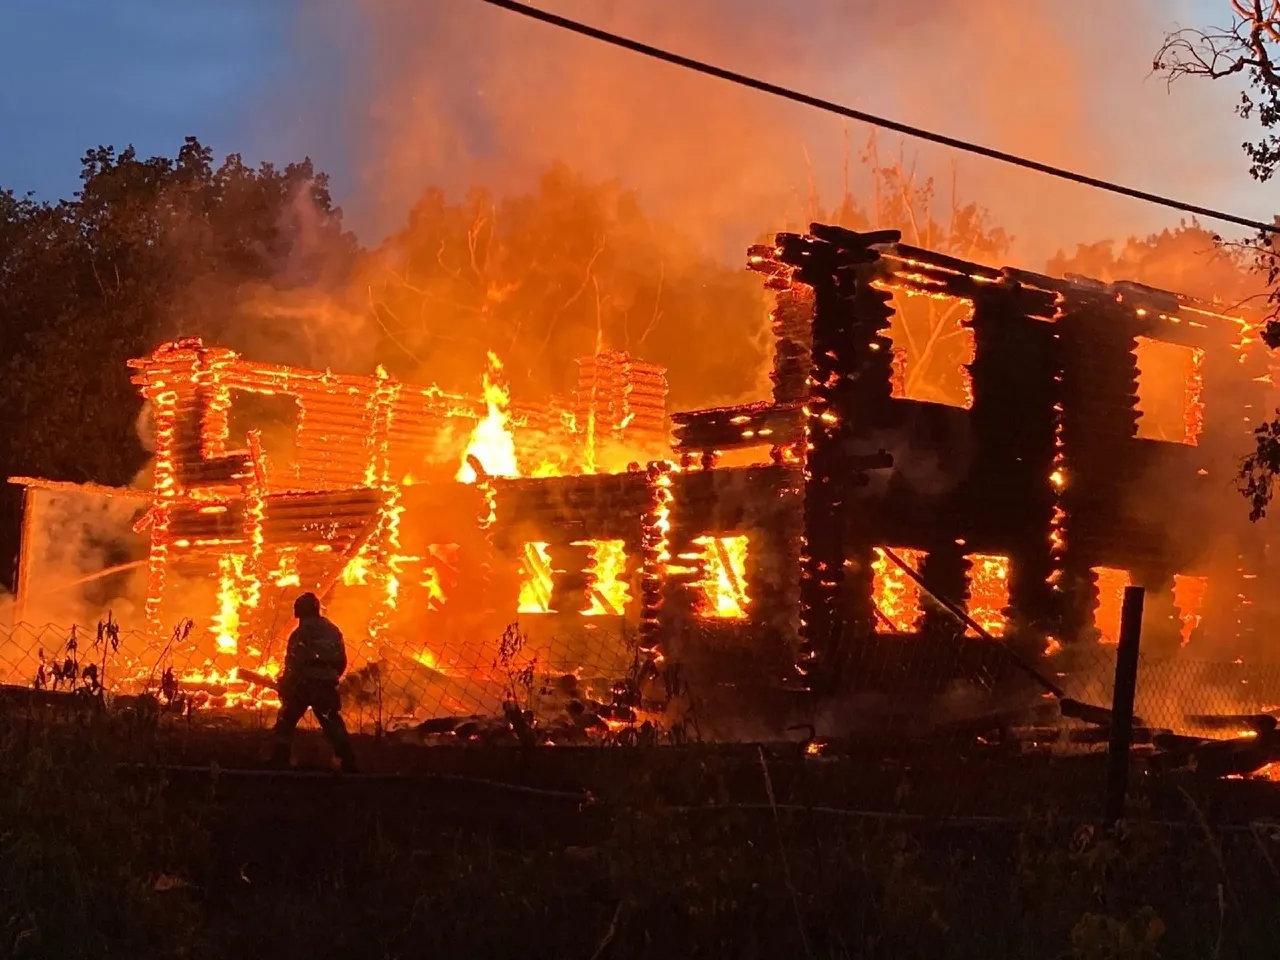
[[238, 74], [78, 73]]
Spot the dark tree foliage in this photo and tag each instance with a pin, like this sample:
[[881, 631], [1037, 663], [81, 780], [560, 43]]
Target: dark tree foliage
[[147, 250], [1247, 47]]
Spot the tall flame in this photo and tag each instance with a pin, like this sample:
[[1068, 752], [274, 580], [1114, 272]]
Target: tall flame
[[226, 622], [165, 486], [491, 441], [724, 585], [1193, 405]]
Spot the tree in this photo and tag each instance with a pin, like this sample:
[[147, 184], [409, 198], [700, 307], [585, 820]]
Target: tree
[[1248, 48], [1188, 259], [930, 335], [147, 250], [545, 277]]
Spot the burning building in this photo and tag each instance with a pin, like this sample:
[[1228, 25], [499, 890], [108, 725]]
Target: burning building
[[754, 541]]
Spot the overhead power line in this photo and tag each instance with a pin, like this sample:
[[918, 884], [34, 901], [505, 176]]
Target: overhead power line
[[796, 96]]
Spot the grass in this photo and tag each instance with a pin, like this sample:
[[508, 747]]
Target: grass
[[94, 863]]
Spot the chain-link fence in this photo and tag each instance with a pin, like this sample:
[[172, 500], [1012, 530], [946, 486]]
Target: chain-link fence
[[396, 680], [1194, 697], [900, 684]]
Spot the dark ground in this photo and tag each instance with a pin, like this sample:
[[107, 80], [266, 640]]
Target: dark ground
[[118, 840]]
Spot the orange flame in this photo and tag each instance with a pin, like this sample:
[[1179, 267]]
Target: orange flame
[[1188, 596], [610, 592], [988, 592], [345, 440], [537, 579], [1193, 419], [356, 572], [895, 595], [435, 589], [724, 584], [491, 441], [1106, 615], [285, 573], [165, 490]]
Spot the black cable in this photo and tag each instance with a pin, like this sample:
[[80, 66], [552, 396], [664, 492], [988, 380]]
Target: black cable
[[763, 86]]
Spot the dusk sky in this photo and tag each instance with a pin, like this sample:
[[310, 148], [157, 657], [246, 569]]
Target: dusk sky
[[257, 77], [78, 73]]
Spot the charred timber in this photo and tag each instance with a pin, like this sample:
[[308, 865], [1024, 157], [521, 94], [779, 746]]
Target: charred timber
[[1008, 498], [747, 425], [849, 377], [1237, 757]]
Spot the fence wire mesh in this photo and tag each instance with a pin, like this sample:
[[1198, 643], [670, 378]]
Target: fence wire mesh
[[899, 682], [389, 682]]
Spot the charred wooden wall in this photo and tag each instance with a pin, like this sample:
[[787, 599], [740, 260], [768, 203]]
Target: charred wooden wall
[[1045, 467]]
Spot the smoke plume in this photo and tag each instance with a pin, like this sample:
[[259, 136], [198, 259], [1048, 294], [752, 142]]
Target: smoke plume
[[460, 94]]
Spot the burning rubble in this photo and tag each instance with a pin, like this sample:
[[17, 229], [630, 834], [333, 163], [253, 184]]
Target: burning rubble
[[623, 543]]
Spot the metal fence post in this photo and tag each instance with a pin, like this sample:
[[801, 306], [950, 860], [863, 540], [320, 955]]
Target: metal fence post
[[1122, 702]]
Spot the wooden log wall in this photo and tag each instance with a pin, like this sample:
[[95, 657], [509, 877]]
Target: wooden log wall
[[1055, 389], [624, 399], [746, 425], [1097, 337], [792, 326], [849, 396], [1235, 400], [1009, 498], [563, 512]]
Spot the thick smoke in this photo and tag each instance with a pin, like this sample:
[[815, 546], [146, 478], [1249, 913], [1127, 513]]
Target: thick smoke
[[458, 95], [397, 98], [84, 563], [461, 94]]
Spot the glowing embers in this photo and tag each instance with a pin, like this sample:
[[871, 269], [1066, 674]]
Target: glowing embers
[[655, 546], [1106, 614], [1170, 391], [286, 573], [165, 490], [895, 595], [537, 579], [724, 581], [1188, 597], [933, 346], [988, 592], [492, 443], [609, 589]]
